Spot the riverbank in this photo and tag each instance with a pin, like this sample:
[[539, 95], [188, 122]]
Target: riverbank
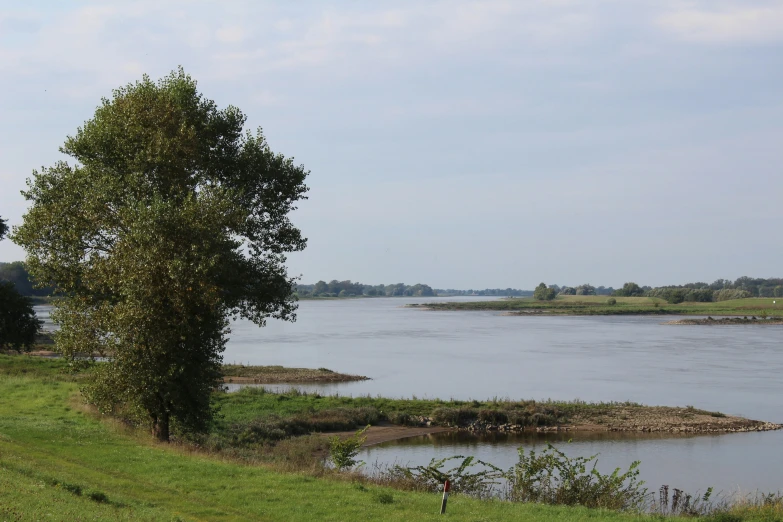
[[60, 459], [709, 321], [601, 305], [241, 374]]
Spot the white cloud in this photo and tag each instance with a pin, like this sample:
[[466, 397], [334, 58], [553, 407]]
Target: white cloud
[[729, 25]]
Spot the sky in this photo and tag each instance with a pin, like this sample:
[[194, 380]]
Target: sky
[[456, 143]]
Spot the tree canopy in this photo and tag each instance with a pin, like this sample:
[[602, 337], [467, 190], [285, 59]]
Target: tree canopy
[[544, 293], [171, 220]]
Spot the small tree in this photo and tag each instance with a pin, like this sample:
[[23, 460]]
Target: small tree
[[171, 221], [542, 293]]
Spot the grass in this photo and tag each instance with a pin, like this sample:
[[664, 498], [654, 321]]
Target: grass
[[597, 305]]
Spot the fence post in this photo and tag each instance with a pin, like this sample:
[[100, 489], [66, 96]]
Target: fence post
[[446, 488]]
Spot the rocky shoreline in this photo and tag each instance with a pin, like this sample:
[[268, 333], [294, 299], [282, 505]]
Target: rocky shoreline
[[709, 321], [653, 419]]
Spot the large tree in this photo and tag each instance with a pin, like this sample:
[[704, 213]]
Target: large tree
[[171, 221]]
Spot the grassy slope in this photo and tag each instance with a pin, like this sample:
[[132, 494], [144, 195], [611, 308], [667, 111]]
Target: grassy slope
[[596, 305], [49, 443]]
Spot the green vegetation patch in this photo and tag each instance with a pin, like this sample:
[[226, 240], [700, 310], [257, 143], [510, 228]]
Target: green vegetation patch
[[598, 305], [280, 374]]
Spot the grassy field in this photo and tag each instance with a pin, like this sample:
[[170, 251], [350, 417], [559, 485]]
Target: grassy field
[[597, 305], [59, 461]]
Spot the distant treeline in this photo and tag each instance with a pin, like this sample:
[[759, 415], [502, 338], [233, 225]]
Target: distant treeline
[[487, 291], [17, 274], [348, 288], [720, 290], [585, 289]]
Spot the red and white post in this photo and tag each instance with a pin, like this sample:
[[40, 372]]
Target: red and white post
[[446, 488]]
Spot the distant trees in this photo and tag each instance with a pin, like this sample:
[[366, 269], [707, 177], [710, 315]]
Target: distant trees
[[585, 289], [544, 293], [719, 290], [348, 288], [18, 323], [504, 292], [17, 274], [726, 294], [629, 290]]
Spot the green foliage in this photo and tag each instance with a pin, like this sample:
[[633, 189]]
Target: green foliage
[[348, 288], [17, 274], [585, 289], [18, 322], [611, 301], [727, 294], [342, 452], [543, 293], [551, 477], [3, 228], [170, 221], [464, 477], [629, 290]]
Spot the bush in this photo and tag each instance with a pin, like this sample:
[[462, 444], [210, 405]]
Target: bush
[[454, 416], [342, 452], [272, 429], [611, 301], [730, 293], [492, 416], [553, 478]]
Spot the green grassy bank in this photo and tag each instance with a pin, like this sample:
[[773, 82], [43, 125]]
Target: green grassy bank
[[598, 305], [60, 461]]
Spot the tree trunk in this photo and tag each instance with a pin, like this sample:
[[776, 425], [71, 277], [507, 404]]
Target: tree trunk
[[160, 427]]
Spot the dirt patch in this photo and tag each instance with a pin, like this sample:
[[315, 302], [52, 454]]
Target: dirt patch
[[240, 374], [387, 432], [670, 420]]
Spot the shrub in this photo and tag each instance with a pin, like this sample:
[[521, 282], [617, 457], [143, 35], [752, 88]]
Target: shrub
[[551, 477], [454, 416], [342, 452], [492, 416], [730, 293], [611, 301]]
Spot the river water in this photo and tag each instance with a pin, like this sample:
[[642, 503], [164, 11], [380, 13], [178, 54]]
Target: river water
[[480, 355]]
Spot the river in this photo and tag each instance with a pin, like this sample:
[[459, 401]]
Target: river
[[480, 355]]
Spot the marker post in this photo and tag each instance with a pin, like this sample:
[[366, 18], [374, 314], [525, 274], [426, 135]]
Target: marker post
[[446, 488]]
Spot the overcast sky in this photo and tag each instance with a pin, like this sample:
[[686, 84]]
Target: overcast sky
[[456, 143]]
